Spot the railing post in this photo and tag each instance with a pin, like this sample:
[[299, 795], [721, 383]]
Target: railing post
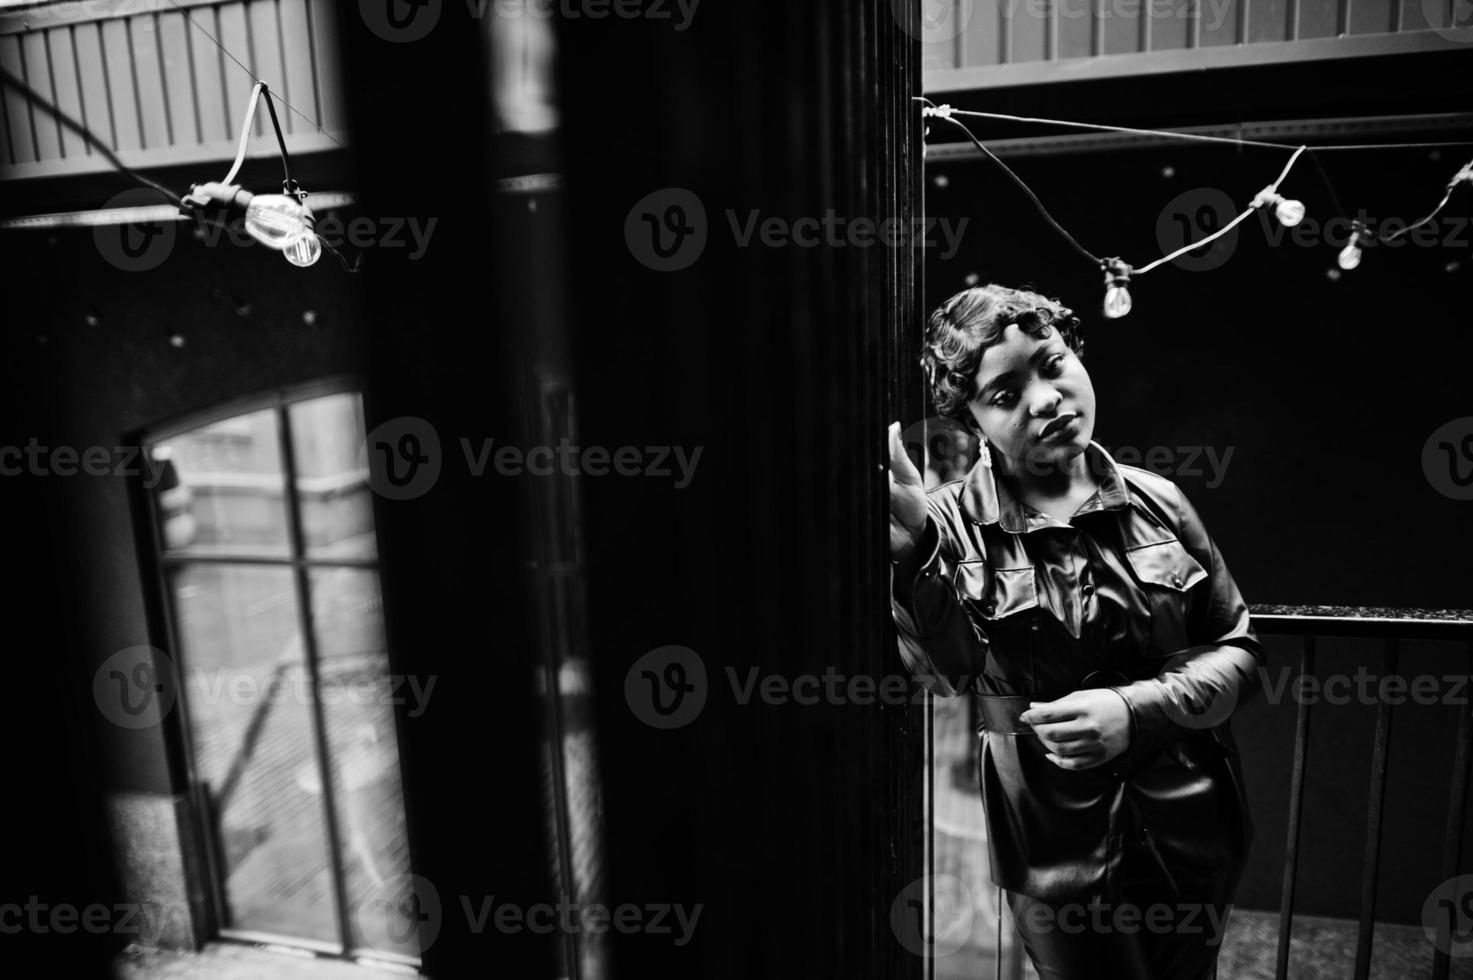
[[1456, 808], [1366, 935], [1296, 801]]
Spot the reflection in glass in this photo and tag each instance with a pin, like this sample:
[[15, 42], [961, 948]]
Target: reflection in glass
[[221, 488], [248, 695], [358, 700], [332, 476]]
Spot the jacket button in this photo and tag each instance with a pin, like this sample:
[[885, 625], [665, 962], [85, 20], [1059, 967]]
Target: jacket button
[[1176, 581], [1088, 589]]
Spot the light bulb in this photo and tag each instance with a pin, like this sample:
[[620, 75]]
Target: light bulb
[[306, 250], [1117, 302], [1351, 253], [276, 221], [1117, 288], [1289, 213]]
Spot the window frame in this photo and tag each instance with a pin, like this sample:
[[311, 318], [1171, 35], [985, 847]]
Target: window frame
[[203, 863]]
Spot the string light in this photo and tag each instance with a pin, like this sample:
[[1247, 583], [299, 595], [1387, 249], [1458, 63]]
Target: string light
[[1118, 273], [1117, 288], [1288, 212], [1350, 255], [280, 221]]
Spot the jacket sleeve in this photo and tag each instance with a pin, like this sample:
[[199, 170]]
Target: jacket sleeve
[[1202, 686], [939, 643]]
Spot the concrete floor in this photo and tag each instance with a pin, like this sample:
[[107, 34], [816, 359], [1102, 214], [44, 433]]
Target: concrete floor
[[236, 961]]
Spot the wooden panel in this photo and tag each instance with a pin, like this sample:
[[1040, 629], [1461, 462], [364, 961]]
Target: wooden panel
[[1414, 15], [173, 35], [1076, 26], [981, 43], [153, 110], [96, 110], [209, 80], [329, 67], [1171, 24], [1370, 16], [122, 97], [1218, 22], [1028, 29], [1319, 18], [234, 36], [67, 88], [297, 84], [38, 77], [20, 137], [1268, 20], [265, 59], [1122, 25]]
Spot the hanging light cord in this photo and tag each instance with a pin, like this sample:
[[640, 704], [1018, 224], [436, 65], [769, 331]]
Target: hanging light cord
[[258, 90], [1263, 197], [1465, 175]]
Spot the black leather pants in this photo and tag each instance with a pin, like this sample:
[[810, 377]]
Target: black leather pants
[[1148, 931]]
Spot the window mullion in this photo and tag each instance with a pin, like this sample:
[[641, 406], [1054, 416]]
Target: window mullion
[[309, 647]]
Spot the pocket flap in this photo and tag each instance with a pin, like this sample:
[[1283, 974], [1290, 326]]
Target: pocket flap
[[997, 592], [1167, 564]]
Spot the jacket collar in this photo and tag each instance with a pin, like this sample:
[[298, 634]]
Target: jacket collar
[[986, 499]]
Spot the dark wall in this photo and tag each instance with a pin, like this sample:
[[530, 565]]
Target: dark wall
[[87, 360]]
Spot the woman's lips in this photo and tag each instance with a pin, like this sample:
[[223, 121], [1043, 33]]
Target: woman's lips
[[1064, 423]]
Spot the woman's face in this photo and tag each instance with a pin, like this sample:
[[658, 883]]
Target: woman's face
[[1033, 399]]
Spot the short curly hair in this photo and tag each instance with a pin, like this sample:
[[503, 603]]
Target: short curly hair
[[964, 326]]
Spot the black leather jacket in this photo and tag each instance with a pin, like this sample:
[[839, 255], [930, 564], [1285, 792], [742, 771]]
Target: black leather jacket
[[1131, 594]]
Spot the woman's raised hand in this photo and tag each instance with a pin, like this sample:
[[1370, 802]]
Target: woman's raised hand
[[907, 500]]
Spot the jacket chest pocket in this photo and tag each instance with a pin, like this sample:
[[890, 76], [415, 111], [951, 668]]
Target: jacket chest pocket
[[995, 594], [1001, 602], [1166, 572]]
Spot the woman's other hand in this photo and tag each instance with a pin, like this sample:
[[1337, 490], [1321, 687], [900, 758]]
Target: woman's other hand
[[907, 500], [1083, 729]]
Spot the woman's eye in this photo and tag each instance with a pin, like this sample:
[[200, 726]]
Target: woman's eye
[[1003, 398], [1055, 363]]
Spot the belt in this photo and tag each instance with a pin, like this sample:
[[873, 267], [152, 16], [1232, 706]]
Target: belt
[[999, 712]]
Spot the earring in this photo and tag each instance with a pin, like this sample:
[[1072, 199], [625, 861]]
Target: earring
[[984, 455]]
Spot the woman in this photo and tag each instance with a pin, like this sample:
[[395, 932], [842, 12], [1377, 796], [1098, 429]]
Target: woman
[[1083, 605]]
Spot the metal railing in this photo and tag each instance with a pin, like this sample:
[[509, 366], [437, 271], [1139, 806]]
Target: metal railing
[[1391, 626]]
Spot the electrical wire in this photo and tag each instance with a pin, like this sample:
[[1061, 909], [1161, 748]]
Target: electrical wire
[[1462, 176], [1263, 197], [34, 97], [1190, 137]]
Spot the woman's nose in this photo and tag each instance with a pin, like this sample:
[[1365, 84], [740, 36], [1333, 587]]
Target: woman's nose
[[1044, 400]]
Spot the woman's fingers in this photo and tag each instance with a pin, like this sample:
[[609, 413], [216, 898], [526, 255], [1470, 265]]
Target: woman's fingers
[[901, 468], [1076, 762]]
